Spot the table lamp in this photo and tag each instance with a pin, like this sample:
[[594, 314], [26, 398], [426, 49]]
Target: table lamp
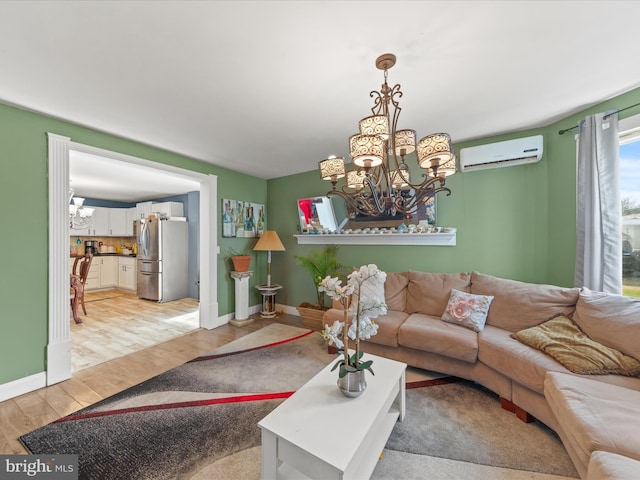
[[269, 241]]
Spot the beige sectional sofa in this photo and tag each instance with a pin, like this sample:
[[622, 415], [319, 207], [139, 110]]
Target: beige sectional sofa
[[528, 381]]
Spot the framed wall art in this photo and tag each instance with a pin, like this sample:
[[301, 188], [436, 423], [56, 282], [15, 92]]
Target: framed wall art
[[242, 219]]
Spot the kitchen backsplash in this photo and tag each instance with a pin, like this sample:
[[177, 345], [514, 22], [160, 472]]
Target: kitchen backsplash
[[116, 242]]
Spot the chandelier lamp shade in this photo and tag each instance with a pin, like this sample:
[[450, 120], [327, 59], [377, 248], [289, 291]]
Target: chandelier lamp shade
[[380, 183], [332, 169]]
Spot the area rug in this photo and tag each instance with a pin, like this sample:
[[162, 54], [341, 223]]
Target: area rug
[[199, 420]]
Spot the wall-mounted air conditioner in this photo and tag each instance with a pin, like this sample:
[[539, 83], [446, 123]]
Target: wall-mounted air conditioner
[[502, 154]]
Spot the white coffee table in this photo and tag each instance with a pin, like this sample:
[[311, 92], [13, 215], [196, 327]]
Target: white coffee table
[[319, 433]]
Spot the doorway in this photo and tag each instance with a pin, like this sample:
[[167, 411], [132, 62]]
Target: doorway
[[59, 341]]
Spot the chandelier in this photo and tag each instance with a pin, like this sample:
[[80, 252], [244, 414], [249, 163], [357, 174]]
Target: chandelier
[[79, 215], [380, 184]]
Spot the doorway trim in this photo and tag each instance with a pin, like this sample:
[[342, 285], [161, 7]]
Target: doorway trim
[[59, 331]]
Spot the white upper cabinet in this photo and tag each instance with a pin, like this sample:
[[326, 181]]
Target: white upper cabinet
[[170, 209], [132, 216], [144, 209], [109, 222], [118, 222], [100, 222]]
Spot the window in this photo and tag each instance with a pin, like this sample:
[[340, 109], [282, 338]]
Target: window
[[630, 196]]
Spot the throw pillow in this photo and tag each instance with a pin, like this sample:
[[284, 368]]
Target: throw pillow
[[562, 340], [467, 309]]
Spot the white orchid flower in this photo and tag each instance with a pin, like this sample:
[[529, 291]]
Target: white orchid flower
[[331, 334]]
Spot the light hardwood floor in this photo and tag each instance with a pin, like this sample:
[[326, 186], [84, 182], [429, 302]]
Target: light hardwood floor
[[27, 412], [118, 323]]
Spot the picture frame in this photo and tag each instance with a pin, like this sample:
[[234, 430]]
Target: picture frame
[[242, 219]]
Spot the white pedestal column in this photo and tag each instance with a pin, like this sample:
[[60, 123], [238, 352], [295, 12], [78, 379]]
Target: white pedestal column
[[242, 298]]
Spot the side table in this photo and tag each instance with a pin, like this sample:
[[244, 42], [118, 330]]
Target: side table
[[268, 293], [242, 298]]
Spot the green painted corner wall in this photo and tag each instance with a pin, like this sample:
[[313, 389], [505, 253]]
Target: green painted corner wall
[[24, 226], [516, 222]]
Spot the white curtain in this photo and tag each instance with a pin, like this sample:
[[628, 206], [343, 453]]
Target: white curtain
[[599, 230]]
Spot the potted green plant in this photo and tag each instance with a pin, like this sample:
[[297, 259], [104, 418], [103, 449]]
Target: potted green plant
[[319, 264]]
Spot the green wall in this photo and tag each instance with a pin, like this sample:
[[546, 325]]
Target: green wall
[[516, 222], [24, 228]]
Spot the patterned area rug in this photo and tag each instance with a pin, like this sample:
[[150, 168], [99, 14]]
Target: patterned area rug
[[199, 420]]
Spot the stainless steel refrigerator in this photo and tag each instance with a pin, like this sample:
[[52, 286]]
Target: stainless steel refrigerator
[[163, 259]]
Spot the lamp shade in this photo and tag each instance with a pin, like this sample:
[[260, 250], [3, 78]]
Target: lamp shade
[[331, 168], [366, 150], [436, 147], [445, 169], [269, 241], [355, 179], [375, 125], [405, 142], [400, 178]]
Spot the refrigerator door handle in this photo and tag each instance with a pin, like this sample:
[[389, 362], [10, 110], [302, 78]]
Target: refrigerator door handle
[[144, 238]]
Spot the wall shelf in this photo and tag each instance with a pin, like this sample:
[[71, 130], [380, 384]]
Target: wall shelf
[[438, 239]]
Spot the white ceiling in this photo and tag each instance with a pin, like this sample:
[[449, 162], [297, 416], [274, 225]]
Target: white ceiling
[[93, 176], [269, 88]]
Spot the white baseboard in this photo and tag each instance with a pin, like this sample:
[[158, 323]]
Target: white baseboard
[[22, 386]]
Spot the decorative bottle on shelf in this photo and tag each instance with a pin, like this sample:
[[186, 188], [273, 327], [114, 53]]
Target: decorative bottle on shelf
[[260, 222], [226, 221], [252, 225], [239, 221]]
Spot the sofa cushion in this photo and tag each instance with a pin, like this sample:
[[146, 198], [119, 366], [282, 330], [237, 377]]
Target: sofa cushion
[[611, 466], [612, 320], [429, 333], [519, 305], [594, 416], [388, 327], [563, 341], [428, 293], [395, 290], [524, 365], [467, 309]]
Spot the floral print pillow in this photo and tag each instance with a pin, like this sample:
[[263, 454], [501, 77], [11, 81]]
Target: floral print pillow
[[467, 310]]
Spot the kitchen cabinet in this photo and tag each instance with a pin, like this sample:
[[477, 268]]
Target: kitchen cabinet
[[132, 216], [127, 273], [144, 209], [93, 278], [87, 230], [108, 271], [109, 222], [118, 222], [170, 209], [100, 221]]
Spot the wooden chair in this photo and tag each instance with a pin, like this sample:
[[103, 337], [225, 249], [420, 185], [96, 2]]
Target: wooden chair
[[78, 279]]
